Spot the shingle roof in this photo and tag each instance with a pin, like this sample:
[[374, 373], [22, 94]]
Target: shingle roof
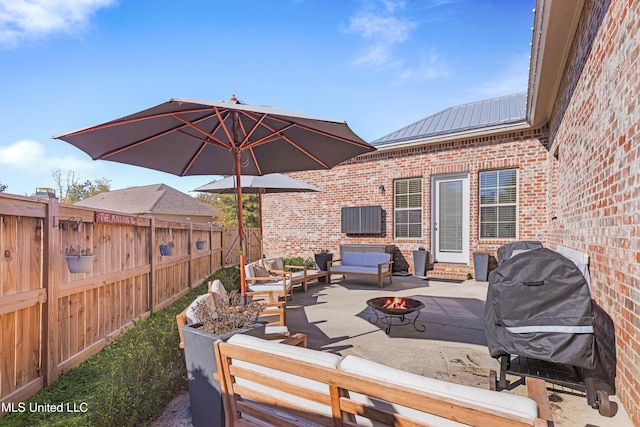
[[156, 198], [475, 115]]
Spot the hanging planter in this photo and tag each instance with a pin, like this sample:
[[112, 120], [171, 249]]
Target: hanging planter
[[79, 260], [166, 249], [200, 244]]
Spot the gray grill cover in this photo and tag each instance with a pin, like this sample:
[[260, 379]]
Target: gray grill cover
[[539, 306]]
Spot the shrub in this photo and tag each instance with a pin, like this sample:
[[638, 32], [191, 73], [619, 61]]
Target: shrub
[[310, 263], [230, 278], [127, 384]]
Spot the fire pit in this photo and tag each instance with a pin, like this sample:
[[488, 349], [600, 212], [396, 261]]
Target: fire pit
[[392, 311]]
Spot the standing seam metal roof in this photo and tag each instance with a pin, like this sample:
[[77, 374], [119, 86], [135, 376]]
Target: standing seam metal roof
[[475, 115]]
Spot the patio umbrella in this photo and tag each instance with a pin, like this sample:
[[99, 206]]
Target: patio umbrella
[[197, 137], [261, 184]]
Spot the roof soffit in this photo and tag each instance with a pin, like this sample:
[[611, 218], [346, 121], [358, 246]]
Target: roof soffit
[[555, 24]]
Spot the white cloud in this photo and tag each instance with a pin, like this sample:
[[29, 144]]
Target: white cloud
[[431, 67], [380, 32], [25, 154], [32, 19], [513, 78]]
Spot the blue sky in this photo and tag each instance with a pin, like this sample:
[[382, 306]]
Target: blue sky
[[377, 64]]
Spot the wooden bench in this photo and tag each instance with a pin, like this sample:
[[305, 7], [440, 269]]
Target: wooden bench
[[374, 264], [269, 383]]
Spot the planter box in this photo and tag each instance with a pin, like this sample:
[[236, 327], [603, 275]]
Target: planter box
[[420, 263], [204, 391], [321, 261], [79, 263]]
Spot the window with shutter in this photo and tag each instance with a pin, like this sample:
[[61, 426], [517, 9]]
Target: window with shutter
[[408, 208], [498, 204]]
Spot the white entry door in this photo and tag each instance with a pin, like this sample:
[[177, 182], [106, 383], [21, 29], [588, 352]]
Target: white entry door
[[451, 218]]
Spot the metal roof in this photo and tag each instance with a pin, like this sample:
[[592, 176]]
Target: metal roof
[[474, 115]]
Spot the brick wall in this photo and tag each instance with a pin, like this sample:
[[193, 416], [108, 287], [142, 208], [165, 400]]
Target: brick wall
[[303, 223], [594, 130]]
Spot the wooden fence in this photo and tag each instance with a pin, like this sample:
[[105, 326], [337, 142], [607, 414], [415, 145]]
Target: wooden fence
[[51, 320]]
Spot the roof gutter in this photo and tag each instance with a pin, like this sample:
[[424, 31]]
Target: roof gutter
[[456, 136]]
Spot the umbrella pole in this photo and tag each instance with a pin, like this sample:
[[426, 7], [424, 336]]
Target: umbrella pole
[[243, 288]]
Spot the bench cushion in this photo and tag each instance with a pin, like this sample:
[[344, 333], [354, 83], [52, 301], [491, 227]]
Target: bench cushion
[[516, 405], [354, 269], [372, 259], [352, 258]]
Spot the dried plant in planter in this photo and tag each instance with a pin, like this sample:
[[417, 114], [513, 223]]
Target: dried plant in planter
[[229, 316], [77, 251]]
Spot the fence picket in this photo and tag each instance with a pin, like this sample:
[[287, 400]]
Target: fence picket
[[51, 319]]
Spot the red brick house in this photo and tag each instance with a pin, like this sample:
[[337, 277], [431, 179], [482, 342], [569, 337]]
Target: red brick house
[[564, 170]]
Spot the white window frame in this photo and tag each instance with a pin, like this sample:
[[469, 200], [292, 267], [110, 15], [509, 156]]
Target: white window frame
[[516, 204], [396, 209]]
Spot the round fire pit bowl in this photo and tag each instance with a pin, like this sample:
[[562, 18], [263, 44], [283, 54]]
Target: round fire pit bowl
[[393, 310]]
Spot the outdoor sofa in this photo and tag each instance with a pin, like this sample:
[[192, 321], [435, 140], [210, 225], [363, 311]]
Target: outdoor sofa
[[374, 264], [275, 267], [269, 383]]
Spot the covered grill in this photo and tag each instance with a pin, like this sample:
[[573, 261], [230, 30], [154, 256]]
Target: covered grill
[[540, 322], [539, 305]]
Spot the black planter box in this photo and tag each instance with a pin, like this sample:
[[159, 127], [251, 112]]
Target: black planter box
[[321, 261], [204, 391]]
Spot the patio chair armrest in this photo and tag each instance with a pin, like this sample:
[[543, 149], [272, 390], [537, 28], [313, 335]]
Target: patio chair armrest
[[299, 340], [331, 262], [266, 279], [537, 390], [299, 267]]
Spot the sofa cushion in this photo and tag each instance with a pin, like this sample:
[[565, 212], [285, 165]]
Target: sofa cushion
[[516, 405], [191, 313], [248, 269], [260, 271], [352, 258], [372, 259], [270, 286], [218, 291], [272, 264], [314, 357], [354, 269]]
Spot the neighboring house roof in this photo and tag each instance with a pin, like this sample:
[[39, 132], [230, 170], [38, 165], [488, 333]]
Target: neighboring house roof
[[504, 110], [156, 198]]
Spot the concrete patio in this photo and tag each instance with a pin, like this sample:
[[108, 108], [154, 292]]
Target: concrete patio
[[452, 347]]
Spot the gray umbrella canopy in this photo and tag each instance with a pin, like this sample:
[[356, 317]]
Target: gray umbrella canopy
[[270, 183], [197, 137]]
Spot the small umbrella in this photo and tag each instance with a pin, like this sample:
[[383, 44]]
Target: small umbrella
[[269, 183], [197, 137]]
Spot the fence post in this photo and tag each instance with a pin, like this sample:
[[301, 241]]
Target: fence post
[[191, 253], [152, 262], [50, 278]]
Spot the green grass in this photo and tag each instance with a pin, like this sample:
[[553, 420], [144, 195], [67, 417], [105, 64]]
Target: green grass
[[130, 382]]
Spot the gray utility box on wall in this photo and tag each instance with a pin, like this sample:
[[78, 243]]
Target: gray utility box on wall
[[361, 220]]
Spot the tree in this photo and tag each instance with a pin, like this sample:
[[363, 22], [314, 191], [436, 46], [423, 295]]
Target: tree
[[226, 203], [3, 187], [71, 190]]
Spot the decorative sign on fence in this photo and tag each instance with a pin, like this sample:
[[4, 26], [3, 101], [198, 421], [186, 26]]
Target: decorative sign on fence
[[115, 218]]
